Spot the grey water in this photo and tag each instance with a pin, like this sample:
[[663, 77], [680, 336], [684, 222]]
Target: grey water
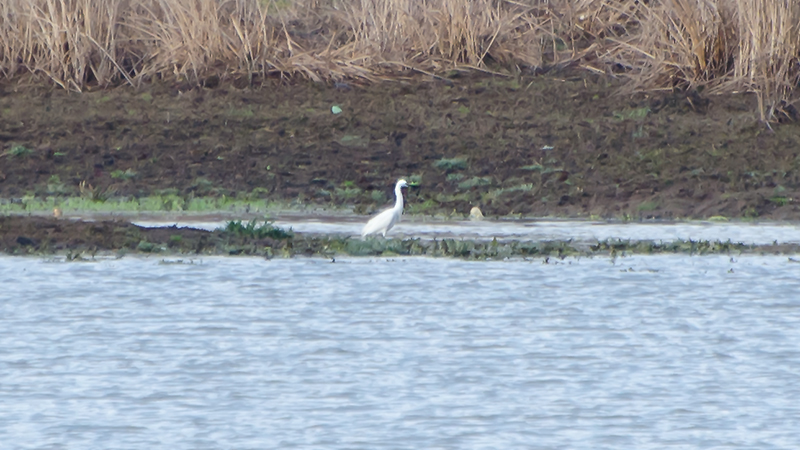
[[643, 352], [575, 230]]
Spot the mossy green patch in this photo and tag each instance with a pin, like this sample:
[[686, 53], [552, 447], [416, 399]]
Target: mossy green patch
[[455, 176], [651, 205], [18, 151], [256, 230], [632, 113], [475, 182], [126, 174], [448, 164]]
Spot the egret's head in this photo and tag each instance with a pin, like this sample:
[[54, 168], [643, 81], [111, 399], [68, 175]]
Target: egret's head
[[402, 183]]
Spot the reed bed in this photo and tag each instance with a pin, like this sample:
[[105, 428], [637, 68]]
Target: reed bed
[[719, 45]]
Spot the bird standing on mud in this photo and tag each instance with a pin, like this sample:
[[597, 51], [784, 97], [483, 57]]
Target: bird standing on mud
[[384, 221], [475, 213]]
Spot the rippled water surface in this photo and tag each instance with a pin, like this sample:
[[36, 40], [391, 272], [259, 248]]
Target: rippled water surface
[[646, 352]]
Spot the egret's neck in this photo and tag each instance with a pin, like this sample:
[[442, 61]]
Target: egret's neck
[[398, 202]]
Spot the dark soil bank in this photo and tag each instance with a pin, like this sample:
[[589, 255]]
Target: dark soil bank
[[534, 146], [44, 235], [30, 235]]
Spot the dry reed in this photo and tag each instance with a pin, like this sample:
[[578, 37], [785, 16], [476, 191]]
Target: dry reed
[[722, 45]]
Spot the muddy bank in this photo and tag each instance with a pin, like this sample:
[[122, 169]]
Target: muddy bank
[[38, 235], [21, 235], [564, 146]]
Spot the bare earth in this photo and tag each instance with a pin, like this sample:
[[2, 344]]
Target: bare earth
[[536, 146]]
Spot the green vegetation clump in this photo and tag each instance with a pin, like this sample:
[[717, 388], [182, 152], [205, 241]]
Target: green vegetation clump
[[126, 174], [254, 230], [455, 176], [19, 151], [100, 200], [448, 164], [475, 182], [147, 247]]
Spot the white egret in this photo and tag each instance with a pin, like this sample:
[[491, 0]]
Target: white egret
[[384, 221]]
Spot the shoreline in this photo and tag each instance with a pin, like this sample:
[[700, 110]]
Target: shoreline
[[80, 240]]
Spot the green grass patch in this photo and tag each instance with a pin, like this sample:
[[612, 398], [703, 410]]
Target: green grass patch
[[428, 206], [780, 200], [153, 203], [648, 206], [475, 182], [18, 151], [632, 114], [56, 187], [352, 140], [551, 170], [127, 174], [241, 113], [147, 247], [254, 230], [449, 164], [455, 176], [378, 196], [347, 193], [202, 185]]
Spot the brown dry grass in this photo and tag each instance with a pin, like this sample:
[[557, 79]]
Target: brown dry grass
[[721, 45]]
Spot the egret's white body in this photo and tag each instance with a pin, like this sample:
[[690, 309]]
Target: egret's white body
[[384, 221]]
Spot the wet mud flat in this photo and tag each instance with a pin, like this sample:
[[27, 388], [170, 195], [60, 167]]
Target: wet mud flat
[[566, 145], [32, 235]]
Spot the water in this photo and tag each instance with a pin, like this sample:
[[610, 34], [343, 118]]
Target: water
[[645, 352], [578, 231]]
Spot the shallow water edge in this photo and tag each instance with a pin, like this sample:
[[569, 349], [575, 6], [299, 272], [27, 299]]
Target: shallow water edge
[[28, 235]]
